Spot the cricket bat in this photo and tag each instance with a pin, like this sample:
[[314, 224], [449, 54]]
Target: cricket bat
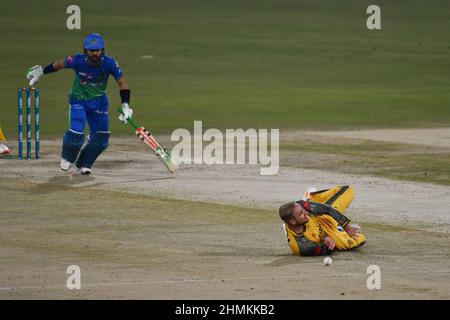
[[145, 136]]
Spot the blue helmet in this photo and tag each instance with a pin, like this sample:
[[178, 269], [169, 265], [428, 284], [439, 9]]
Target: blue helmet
[[94, 41]]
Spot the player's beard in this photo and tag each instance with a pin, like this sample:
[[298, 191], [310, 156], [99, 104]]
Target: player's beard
[[94, 59]]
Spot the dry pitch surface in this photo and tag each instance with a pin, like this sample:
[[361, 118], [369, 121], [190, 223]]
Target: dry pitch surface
[[210, 232]]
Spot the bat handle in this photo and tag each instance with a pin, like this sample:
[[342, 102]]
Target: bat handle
[[130, 120]]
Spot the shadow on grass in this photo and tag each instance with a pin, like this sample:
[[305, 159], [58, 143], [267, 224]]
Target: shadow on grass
[[71, 181], [61, 183]]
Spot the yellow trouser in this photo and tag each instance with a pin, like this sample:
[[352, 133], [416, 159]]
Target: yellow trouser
[[340, 198]]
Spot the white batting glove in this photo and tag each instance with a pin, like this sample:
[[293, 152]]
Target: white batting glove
[[127, 112], [34, 73]]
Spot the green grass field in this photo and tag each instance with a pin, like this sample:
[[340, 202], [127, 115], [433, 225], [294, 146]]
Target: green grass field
[[261, 64], [390, 160], [134, 247], [289, 64]]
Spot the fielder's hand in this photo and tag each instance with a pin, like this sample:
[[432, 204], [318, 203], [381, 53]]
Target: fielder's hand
[[330, 243], [34, 73], [127, 112], [353, 230]]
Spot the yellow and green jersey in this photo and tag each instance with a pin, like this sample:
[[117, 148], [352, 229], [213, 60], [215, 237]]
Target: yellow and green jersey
[[325, 219]]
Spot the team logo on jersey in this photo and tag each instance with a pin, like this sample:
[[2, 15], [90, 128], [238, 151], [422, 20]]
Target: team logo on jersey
[[87, 75]]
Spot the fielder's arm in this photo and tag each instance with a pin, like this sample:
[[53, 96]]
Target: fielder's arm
[[307, 247], [322, 208]]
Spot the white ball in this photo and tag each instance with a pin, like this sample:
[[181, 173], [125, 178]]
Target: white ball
[[327, 261]]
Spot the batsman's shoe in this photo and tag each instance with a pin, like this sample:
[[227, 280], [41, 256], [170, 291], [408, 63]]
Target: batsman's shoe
[[85, 171], [307, 194], [4, 148], [65, 165]]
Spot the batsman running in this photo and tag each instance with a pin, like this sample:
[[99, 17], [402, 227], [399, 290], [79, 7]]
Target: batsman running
[[88, 102], [316, 225]]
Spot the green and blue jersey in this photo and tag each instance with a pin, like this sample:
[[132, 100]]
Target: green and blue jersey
[[90, 81]]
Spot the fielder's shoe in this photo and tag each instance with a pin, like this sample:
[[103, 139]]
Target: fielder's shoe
[[307, 194], [4, 148], [65, 165], [84, 170]]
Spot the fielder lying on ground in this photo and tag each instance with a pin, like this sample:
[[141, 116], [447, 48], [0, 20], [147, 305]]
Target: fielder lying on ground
[[316, 225]]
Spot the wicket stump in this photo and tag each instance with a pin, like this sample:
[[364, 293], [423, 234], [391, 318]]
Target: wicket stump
[[28, 94]]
